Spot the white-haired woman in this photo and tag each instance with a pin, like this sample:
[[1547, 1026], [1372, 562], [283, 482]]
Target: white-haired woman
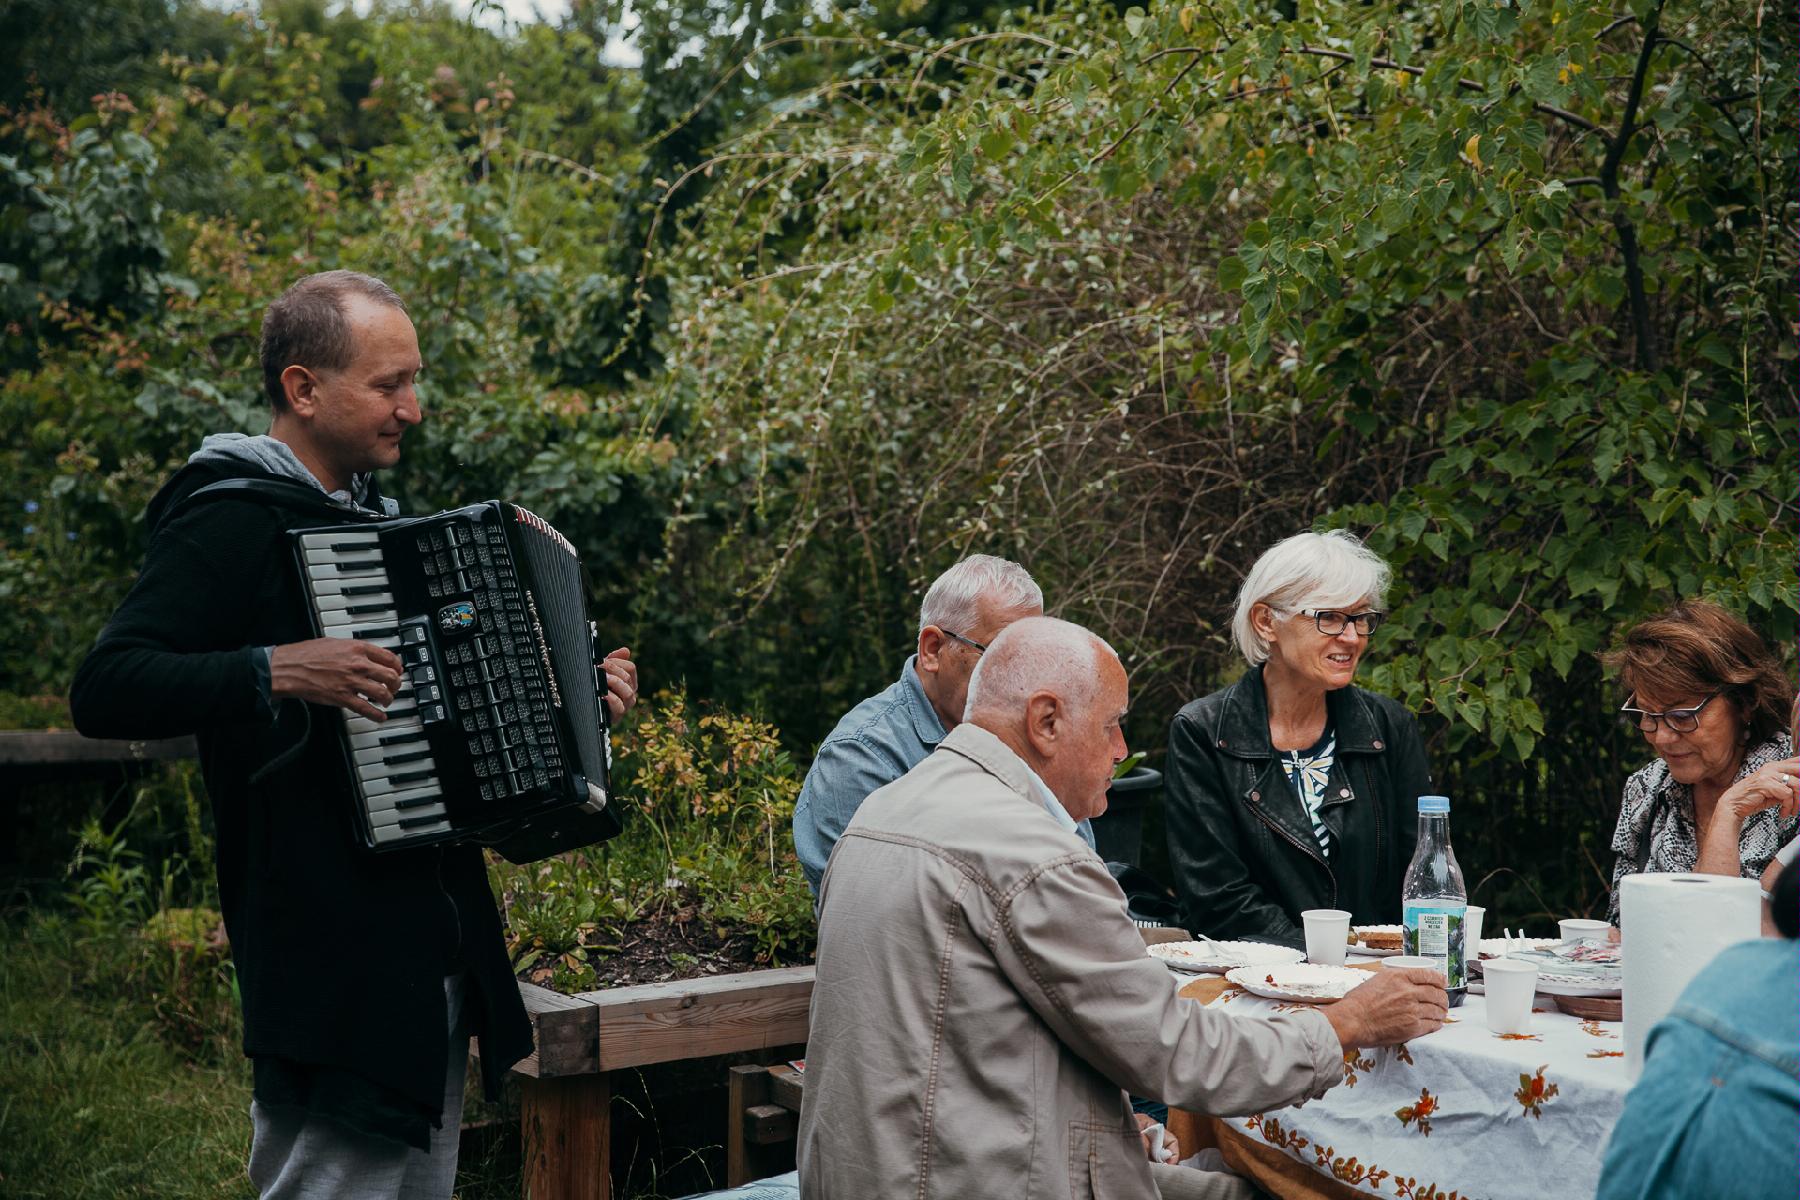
[[1291, 789]]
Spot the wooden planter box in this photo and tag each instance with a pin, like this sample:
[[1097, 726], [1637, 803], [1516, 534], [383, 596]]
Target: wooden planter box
[[567, 1092]]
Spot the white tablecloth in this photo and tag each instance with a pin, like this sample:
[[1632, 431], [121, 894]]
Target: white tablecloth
[[1464, 1111]]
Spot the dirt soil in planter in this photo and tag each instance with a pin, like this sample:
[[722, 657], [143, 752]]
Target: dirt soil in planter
[[659, 948]]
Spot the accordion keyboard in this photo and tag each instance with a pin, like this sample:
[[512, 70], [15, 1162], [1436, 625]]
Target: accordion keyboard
[[392, 760]]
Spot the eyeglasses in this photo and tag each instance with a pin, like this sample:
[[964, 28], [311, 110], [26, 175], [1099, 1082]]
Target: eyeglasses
[[1681, 720], [978, 647], [1332, 623]]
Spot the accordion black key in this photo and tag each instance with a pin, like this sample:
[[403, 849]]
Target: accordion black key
[[498, 735]]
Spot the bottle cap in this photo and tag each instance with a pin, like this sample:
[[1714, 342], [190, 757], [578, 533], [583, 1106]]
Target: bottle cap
[[1434, 804]]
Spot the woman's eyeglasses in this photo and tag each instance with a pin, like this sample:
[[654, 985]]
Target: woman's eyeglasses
[[1681, 720], [1332, 623]]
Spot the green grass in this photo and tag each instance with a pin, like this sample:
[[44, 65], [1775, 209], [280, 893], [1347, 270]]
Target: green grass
[[108, 1088], [96, 1100]]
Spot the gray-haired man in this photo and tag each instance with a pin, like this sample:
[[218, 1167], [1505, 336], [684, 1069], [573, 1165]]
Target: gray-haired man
[[891, 732]]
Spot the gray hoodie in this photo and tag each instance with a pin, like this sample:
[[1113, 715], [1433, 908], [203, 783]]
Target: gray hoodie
[[274, 455]]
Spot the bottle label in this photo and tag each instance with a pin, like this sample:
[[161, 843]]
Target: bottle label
[[1436, 931]]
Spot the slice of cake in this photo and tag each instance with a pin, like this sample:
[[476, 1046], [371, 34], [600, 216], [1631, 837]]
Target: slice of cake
[[1379, 937]]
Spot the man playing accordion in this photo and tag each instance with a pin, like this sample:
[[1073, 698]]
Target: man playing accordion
[[362, 975]]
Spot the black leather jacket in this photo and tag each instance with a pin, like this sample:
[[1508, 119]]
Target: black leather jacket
[[1241, 845]]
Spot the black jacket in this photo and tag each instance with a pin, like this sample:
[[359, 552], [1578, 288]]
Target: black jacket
[[340, 954], [1241, 846]]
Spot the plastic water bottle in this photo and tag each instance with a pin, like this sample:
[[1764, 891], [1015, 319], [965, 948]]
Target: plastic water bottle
[[1434, 899]]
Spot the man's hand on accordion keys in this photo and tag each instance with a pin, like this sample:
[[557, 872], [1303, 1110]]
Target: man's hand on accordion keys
[[340, 672], [621, 682]]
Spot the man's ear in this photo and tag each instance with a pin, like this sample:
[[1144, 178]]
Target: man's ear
[[931, 644], [301, 387], [1043, 722]]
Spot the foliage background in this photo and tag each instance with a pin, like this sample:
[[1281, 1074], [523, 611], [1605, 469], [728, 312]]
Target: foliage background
[[780, 324]]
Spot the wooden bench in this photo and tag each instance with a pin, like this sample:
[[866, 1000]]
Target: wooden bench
[[567, 1091]]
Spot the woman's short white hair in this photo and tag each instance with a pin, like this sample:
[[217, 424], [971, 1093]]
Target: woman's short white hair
[[1309, 570], [951, 603]]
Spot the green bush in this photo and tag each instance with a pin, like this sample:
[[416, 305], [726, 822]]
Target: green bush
[[708, 838]]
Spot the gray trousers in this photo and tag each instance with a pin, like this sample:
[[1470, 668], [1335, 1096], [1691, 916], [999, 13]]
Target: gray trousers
[[294, 1156]]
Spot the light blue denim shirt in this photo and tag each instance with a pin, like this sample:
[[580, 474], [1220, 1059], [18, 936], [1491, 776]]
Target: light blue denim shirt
[[1715, 1111], [874, 744]]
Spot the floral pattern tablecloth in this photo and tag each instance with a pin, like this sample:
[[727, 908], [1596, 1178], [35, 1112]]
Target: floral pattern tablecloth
[[1463, 1114]]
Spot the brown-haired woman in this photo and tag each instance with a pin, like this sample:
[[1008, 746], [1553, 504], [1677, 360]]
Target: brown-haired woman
[[1712, 701]]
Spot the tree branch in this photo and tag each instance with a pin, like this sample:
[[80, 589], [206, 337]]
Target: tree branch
[[1609, 184], [1468, 85]]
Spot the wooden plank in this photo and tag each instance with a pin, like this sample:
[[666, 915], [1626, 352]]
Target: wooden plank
[[646, 997], [65, 747], [566, 1033], [786, 1087], [746, 1087], [567, 1132], [697, 1018]]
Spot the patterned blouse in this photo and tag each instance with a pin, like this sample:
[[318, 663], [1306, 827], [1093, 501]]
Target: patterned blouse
[[1662, 810], [1308, 772]]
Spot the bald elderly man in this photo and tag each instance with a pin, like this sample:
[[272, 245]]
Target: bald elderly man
[[982, 1000]]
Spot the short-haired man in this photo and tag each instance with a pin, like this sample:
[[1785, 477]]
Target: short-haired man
[[982, 998], [888, 734], [362, 976]]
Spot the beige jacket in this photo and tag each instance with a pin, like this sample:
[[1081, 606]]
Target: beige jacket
[[982, 999]]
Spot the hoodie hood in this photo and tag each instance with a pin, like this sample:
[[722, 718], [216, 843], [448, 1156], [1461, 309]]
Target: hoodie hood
[[246, 456], [277, 458]]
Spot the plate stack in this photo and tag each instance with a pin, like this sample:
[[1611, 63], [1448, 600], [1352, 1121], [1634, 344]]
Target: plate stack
[[1216, 958]]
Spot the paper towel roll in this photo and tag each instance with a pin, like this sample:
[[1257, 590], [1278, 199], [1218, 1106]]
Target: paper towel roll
[[1674, 925]]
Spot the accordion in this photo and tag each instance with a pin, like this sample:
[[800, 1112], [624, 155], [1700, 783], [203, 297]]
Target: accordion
[[498, 733]]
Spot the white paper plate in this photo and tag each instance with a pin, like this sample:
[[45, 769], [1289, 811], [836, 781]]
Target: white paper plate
[[1570, 985], [1500, 948], [1198, 957], [1357, 947], [1308, 983], [1552, 983]]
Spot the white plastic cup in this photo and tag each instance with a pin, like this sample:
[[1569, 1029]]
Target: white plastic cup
[[1472, 918], [1511, 984], [1580, 927], [1327, 935], [1412, 962]]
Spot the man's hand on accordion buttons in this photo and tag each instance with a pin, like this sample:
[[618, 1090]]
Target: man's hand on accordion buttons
[[621, 682], [340, 672]]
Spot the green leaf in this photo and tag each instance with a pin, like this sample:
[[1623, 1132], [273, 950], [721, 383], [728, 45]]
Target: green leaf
[[1232, 273]]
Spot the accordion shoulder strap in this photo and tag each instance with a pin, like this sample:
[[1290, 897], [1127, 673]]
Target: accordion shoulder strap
[[287, 494]]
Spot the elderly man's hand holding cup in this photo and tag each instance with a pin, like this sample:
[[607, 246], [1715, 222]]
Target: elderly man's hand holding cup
[[1394, 1006]]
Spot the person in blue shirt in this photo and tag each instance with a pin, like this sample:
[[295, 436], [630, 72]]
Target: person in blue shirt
[[891, 732], [1717, 1110]]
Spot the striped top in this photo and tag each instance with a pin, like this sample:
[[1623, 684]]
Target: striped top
[[1308, 771]]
